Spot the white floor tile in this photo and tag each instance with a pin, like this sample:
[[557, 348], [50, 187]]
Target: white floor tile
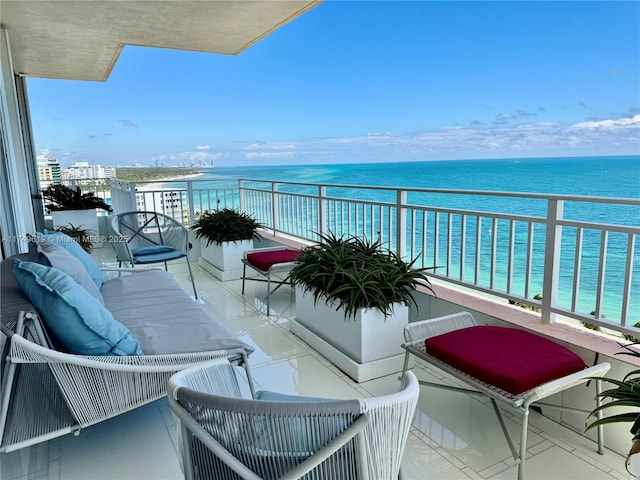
[[135, 445], [554, 464]]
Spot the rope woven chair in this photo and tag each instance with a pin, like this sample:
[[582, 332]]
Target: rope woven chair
[[224, 436], [143, 238]]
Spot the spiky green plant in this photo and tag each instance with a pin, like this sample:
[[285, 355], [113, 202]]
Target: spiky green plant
[[625, 393], [225, 225], [61, 197], [80, 235], [355, 273]]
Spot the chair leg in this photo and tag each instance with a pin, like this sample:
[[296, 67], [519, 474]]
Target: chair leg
[[599, 428], [244, 275], [193, 283], [523, 443], [268, 292]]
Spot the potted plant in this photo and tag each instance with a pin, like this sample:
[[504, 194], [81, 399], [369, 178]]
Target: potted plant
[[82, 236], [225, 234], [70, 206], [624, 393], [352, 303]]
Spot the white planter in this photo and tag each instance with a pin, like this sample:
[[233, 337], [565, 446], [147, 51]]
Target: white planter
[[86, 219], [633, 461], [364, 348], [224, 261]]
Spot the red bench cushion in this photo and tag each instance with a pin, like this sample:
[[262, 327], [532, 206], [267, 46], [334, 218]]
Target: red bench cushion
[[511, 359], [264, 260]]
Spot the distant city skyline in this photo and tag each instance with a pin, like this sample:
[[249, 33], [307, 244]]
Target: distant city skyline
[[367, 82]]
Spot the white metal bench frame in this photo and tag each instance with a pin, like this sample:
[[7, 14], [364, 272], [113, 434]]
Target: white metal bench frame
[[417, 332]]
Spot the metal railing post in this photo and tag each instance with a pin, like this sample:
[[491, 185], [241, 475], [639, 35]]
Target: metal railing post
[[401, 223], [551, 274], [191, 202], [275, 207], [132, 196], [241, 194], [322, 210]]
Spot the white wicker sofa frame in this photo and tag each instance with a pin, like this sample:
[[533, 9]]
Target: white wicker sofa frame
[[47, 392], [416, 333], [225, 436]]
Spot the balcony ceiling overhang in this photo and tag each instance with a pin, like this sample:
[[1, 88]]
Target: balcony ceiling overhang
[[81, 39]]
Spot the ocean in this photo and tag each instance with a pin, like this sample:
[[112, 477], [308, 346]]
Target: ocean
[[590, 176], [596, 176]]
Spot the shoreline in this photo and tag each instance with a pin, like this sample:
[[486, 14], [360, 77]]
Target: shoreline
[[156, 183]]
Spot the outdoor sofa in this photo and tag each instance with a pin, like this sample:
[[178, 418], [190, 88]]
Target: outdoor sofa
[[80, 349]]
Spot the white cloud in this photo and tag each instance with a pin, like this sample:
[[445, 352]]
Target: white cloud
[[527, 139], [254, 155], [621, 123], [189, 156], [203, 147]]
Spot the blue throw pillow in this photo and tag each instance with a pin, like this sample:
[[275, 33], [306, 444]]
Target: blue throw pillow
[[74, 248], [78, 321], [52, 255]]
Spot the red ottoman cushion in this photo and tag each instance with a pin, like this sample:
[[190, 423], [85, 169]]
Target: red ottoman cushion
[[264, 260], [511, 359]]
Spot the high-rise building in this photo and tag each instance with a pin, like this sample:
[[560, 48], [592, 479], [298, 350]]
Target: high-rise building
[[170, 202], [82, 170], [49, 171]]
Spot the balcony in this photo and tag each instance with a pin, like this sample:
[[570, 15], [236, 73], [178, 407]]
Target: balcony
[[453, 435], [571, 258]]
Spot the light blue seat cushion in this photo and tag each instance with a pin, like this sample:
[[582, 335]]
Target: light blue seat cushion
[[152, 250], [55, 256], [78, 321], [74, 248], [269, 396], [303, 442], [158, 257]]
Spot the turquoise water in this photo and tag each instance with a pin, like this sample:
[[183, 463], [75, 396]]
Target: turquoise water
[[591, 176], [597, 176]]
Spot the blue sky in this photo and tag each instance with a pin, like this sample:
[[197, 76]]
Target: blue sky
[[367, 82]]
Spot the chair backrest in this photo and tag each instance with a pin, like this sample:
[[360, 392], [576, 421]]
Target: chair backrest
[[137, 230], [390, 421], [225, 436]]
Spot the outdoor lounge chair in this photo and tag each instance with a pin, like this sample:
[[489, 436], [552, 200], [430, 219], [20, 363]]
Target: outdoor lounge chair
[[224, 436], [511, 366], [143, 238], [267, 262]]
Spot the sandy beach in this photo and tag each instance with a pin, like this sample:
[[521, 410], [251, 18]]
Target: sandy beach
[[159, 184]]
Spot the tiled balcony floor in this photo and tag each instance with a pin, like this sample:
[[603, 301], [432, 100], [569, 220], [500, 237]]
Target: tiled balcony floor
[[454, 436]]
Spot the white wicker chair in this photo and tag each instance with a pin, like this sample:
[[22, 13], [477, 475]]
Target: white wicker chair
[[416, 333], [224, 436]]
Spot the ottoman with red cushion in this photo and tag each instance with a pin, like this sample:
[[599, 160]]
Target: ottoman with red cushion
[[266, 262], [513, 360], [512, 366]]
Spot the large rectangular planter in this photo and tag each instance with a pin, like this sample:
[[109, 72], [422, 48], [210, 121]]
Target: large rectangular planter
[[366, 347], [224, 261], [86, 219]]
